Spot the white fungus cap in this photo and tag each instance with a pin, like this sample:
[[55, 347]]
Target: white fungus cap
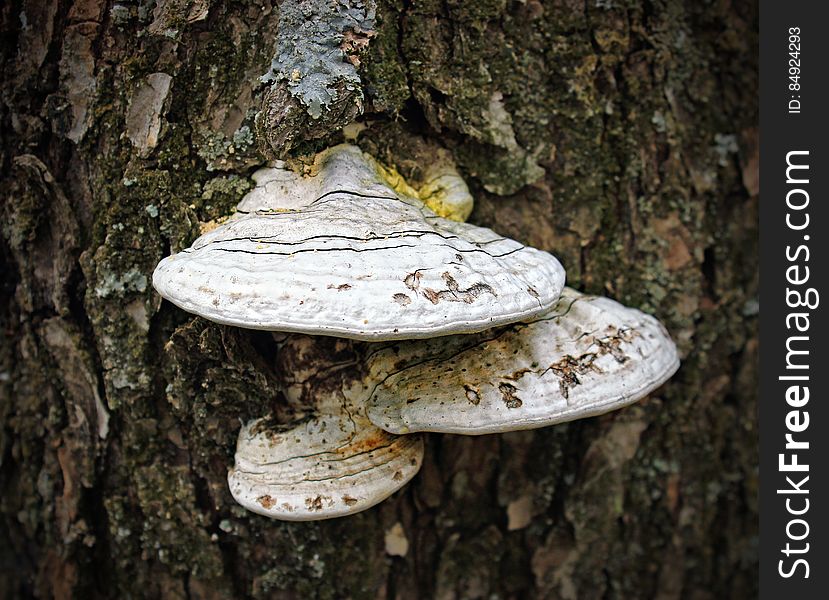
[[328, 466], [328, 460], [587, 356], [339, 252]]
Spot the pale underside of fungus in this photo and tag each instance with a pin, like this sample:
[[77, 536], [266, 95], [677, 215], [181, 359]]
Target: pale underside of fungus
[[321, 458], [339, 251], [587, 356]]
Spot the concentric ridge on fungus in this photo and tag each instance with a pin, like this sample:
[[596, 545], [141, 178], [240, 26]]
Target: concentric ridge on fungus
[[339, 252]]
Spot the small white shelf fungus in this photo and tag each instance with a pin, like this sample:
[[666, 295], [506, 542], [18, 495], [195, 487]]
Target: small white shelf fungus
[[340, 251], [446, 193], [443, 189], [587, 356], [329, 460], [328, 466]]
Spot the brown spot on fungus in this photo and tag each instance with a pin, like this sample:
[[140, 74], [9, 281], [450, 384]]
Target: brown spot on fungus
[[508, 394], [266, 501], [569, 368], [402, 299], [314, 503], [472, 395], [412, 280], [453, 293]]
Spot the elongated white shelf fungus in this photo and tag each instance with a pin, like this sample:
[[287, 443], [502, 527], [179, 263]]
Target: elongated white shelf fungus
[[587, 356], [341, 252], [328, 460]]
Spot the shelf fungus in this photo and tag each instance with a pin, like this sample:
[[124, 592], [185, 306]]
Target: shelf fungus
[[370, 281], [339, 251], [587, 356], [324, 458]]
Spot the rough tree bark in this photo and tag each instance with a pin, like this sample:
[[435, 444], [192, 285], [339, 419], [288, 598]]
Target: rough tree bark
[[621, 135]]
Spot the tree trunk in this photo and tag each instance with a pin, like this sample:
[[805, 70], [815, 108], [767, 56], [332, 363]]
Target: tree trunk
[[619, 135]]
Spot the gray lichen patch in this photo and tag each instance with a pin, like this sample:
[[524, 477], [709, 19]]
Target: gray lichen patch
[[316, 48], [222, 152], [499, 132], [118, 284], [316, 90]]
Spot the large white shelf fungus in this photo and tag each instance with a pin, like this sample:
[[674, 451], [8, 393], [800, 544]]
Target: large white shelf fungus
[[587, 356], [340, 251], [328, 460]]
